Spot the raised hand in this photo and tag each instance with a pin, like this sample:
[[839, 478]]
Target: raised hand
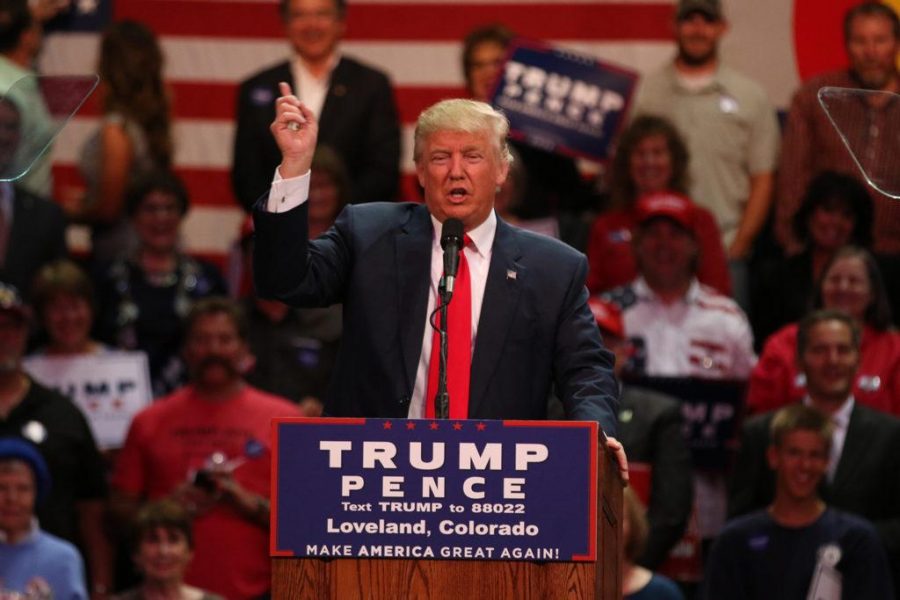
[[295, 131]]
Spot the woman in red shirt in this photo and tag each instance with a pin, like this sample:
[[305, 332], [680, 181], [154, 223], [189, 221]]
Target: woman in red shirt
[[651, 157], [851, 282]]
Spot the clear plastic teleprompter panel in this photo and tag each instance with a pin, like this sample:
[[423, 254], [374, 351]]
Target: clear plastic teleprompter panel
[[868, 122], [32, 112]]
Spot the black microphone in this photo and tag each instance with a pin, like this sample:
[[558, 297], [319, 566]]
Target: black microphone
[[452, 241]]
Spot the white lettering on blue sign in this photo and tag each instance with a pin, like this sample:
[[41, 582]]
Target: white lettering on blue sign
[[560, 94], [392, 486], [383, 454]]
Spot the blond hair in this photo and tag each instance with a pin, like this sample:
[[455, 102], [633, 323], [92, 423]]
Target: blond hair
[[468, 116]]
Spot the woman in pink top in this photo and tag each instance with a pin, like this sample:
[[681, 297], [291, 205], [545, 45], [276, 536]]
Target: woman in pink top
[[851, 282], [651, 157]]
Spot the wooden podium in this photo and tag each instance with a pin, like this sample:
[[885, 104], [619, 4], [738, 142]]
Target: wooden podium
[[396, 579]]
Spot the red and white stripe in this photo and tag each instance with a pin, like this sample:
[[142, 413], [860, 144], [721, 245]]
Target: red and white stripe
[[211, 45]]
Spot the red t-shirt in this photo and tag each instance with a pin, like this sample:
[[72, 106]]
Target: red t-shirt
[[612, 261], [774, 382], [174, 437]]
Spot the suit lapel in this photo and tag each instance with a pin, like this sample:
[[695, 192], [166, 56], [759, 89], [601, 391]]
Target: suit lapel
[[501, 296], [413, 268], [334, 97]]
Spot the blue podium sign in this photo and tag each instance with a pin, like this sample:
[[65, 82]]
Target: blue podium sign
[[561, 101], [398, 488]]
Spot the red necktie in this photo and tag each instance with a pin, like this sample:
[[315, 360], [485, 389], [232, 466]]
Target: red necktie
[[459, 347]]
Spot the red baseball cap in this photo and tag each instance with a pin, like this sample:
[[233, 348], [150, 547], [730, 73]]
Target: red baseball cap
[[670, 205], [608, 317]]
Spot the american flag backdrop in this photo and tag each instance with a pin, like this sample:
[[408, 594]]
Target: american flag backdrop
[[211, 45]]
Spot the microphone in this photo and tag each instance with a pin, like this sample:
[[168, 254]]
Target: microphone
[[452, 241]]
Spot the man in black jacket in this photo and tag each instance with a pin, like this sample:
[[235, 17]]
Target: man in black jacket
[[650, 429], [353, 103]]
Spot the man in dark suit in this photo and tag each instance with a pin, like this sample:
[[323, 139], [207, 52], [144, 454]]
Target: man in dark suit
[[353, 103], [531, 326], [36, 235], [32, 229], [864, 466], [651, 430]]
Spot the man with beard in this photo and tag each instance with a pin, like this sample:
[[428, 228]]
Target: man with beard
[[812, 145], [729, 125], [207, 447]]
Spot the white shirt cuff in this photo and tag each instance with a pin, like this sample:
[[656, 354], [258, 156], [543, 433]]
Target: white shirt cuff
[[286, 194]]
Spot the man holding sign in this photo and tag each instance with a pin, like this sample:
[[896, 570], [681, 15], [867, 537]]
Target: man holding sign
[[527, 324]]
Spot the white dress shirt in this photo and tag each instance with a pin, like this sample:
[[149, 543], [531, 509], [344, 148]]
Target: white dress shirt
[[312, 90], [286, 194]]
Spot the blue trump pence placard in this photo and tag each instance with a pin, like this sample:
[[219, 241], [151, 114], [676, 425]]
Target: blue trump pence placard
[[560, 101], [398, 488]]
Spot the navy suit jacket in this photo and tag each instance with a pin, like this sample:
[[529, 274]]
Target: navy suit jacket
[[359, 122], [535, 327]]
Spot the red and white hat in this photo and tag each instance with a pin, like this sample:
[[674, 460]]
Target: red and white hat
[[670, 205]]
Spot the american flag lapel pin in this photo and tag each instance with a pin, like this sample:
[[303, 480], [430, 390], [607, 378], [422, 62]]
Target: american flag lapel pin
[[510, 274]]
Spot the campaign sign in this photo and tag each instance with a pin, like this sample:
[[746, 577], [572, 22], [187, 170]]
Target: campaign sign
[[711, 409], [398, 488], [109, 388], [561, 101]]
